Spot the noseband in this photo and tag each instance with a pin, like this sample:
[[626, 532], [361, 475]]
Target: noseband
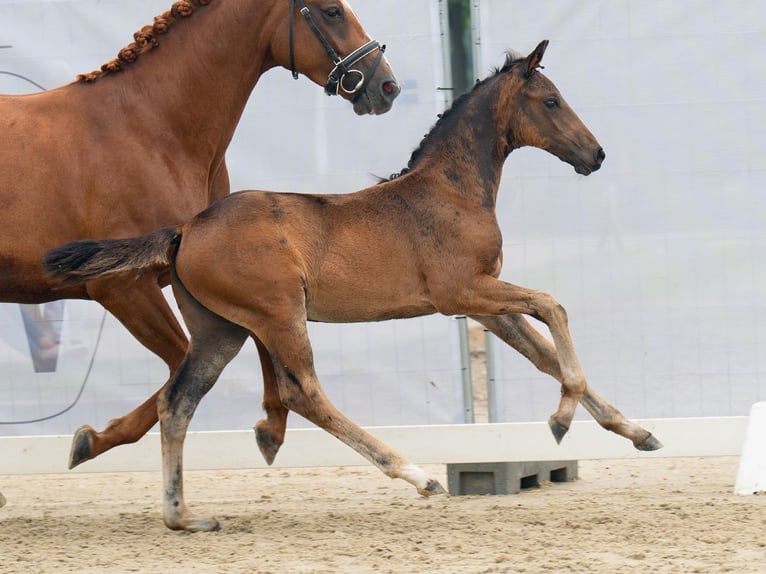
[[343, 66]]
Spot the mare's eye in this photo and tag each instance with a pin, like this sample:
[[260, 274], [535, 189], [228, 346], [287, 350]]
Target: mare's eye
[[551, 103], [333, 13]]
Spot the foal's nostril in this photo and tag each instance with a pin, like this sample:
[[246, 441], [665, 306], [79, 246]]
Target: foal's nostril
[[600, 155]]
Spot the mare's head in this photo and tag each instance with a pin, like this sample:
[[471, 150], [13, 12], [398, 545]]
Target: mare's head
[[324, 40], [539, 116]]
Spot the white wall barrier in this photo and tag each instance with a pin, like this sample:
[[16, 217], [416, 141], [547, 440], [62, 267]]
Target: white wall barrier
[[438, 444]]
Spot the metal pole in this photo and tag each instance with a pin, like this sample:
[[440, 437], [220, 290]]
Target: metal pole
[[489, 349], [465, 366]]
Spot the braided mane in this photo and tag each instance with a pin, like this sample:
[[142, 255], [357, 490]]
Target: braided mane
[[145, 39], [511, 58]]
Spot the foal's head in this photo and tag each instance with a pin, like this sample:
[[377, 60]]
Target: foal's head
[[324, 40], [539, 116]]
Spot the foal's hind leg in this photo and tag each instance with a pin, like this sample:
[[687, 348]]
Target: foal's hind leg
[[143, 310], [301, 392], [516, 331], [270, 432], [214, 343]]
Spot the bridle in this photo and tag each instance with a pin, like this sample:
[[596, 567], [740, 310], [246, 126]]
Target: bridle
[[343, 66]]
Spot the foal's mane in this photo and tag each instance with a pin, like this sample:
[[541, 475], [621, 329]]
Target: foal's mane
[[511, 58], [145, 39]]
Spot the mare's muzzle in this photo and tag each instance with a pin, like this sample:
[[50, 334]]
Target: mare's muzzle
[[351, 80], [343, 76]]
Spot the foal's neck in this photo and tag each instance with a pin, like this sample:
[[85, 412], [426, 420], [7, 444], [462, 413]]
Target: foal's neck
[[469, 147]]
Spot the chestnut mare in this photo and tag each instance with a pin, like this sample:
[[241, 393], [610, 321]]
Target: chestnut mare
[[262, 264], [140, 144]]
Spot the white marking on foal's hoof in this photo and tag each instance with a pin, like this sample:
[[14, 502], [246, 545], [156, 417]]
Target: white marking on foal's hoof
[[426, 486]]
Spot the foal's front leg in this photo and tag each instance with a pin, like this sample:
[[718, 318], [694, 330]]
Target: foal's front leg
[[516, 331], [489, 296]]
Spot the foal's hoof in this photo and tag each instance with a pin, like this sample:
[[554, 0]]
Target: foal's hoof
[[194, 525], [2, 500], [432, 488], [82, 446], [268, 444], [649, 443], [557, 429]]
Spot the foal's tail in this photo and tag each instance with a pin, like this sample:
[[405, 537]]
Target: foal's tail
[[81, 261]]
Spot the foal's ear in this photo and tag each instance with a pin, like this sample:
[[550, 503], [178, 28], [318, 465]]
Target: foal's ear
[[534, 59]]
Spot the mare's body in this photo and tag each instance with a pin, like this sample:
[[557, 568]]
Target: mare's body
[[140, 144]]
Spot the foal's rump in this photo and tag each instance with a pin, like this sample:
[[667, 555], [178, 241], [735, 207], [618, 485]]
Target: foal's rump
[[84, 260]]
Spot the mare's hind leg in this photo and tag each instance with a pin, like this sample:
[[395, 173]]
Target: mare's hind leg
[[300, 391], [143, 310], [270, 432], [516, 331], [214, 343]]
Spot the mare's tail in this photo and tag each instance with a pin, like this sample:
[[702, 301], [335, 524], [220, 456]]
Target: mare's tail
[[81, 261]]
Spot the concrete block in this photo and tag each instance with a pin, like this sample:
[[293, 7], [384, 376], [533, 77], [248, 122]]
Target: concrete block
[[506, 477]]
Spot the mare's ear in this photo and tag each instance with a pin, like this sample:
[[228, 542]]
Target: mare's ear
[[534, 59]]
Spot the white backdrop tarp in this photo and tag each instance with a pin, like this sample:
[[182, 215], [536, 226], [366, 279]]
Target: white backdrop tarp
[[658, 257], [291, 137]]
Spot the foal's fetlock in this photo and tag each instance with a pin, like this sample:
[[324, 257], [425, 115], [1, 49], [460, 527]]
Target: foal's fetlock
[[268, 441]]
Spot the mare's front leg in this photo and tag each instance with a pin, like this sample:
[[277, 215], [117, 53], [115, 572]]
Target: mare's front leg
[[516, 331], [138, 303], [300, 391]]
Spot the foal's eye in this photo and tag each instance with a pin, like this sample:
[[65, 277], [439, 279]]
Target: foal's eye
[[551, 103]]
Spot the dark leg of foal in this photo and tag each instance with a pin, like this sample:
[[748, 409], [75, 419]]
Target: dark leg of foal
[[270, 432], [516, 331], [143, 310], [214, 343]]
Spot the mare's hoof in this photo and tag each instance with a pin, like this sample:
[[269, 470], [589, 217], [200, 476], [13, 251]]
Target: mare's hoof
[[267, 443], [432, 488], [82, 446], [649, 443], [557, 429], [2, 500]]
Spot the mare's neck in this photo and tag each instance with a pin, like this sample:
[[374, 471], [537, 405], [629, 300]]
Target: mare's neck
[[199, 77]]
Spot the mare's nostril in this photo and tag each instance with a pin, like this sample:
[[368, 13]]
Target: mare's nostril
[[600, 155], [390, 89]]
